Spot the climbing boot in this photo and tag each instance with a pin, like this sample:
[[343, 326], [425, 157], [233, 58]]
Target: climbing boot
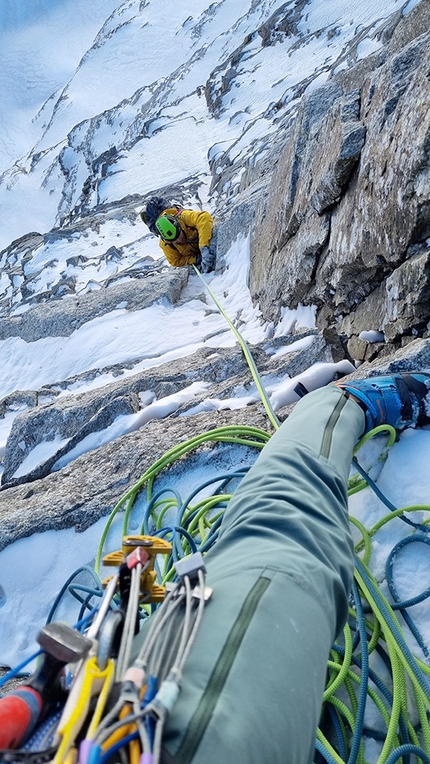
[[401, 400]]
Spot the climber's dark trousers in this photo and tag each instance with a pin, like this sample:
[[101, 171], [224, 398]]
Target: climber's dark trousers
[[281, 574]]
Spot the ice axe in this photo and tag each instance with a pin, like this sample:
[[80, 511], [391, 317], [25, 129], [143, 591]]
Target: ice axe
[[21, 709]]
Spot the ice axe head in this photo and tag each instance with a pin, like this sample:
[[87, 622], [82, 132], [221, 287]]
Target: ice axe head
[[61, 645]]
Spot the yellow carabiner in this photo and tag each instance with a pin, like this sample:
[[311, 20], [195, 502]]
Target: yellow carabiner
[[108, 677], [78, 702]]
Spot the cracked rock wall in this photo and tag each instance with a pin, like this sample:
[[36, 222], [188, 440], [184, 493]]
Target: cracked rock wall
[[346, 222]]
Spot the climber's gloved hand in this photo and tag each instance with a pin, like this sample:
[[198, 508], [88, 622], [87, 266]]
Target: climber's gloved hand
[[208, 260]]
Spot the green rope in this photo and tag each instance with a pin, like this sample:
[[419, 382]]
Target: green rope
[[249, 359], [234, 434], [382, 626]]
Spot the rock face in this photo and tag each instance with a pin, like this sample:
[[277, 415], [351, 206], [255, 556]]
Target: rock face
[[62, 318], [80, 494], [67, 421], [347, 217]]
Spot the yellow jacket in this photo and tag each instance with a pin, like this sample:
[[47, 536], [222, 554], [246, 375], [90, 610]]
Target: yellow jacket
[[197, 227]]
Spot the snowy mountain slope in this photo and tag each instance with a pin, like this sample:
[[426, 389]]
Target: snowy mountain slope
[[42, 43], [127, 150], [111, 129], [180, 99]]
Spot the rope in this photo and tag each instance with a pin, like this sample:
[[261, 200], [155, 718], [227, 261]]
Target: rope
[[349, 665], [248, 355], [373, 628], [384, 634], [239, 435]]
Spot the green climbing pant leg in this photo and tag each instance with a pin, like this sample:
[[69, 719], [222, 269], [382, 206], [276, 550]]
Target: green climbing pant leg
[[281, 574]]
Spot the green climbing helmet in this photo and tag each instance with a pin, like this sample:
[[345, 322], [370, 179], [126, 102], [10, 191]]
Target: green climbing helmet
[[168, 227]]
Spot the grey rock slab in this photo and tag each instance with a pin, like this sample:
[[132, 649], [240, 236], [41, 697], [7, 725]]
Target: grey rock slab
[[414, 357], [24, 246], [386, 210], [408, 295], [287, 210], [61, 318], [89, 488], [35, 427], [76, 416], [295, 263], [398, 306], [358, 156]]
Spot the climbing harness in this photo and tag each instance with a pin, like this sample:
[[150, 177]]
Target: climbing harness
[[92, 698]]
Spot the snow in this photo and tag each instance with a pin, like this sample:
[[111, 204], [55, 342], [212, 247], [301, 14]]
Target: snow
[[302, 317], [5, 427], [405, 481], [114, 339], [318, 375], [40, 454], [68, 99], [36, 63], [75, 107], [372, 336], [410, 6], [111, 339], [366, 47], [129, 422], [294, 347], [117, 337], [53, 556], [32, 572]]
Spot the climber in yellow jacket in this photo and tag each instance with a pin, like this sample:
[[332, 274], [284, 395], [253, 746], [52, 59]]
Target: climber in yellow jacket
[[186, 236]]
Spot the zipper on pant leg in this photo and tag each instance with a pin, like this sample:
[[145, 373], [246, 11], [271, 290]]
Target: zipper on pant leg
[[328, 430], [202, 716]]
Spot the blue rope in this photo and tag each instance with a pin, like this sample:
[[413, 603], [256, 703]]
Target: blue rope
[[327, 756], [356, 738], [210, 540], [238, 473], [403, 749], [402, 605], [394, 628], [337, 727], [383, 498], [175, 531], [65, 587], [146, 530], [377, 681], [16, 671]]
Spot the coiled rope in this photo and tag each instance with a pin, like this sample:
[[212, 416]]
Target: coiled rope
[[401, 695], [353, 683]]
